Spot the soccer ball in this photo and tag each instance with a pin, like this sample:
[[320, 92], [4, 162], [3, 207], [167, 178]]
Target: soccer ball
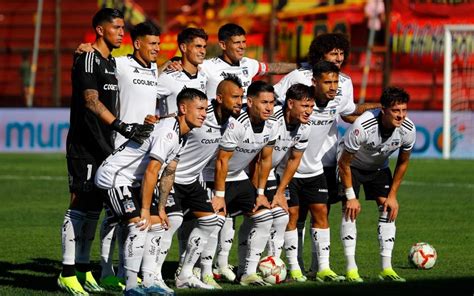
[[272, 269], [422, 256]]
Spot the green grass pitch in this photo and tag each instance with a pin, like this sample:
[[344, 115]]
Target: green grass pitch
[[436, 201]]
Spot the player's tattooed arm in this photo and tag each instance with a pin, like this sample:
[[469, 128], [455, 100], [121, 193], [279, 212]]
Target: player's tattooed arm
[[91, 97], [281, 68], [166, 183]]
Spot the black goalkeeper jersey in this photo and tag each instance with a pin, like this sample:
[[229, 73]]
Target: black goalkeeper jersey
[[88, 136]]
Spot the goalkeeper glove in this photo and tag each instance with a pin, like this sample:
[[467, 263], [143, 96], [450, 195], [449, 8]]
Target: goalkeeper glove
[[133, 131]]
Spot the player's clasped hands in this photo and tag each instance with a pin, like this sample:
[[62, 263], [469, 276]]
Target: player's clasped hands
[[279, 200], [261, 201], [218, 203]]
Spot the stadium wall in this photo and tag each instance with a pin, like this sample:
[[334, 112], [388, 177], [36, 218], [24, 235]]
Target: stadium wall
[[44, 130]]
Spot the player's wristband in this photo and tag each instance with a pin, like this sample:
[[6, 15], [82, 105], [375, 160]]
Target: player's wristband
[[260, 191], [219, 193], [350, 194]]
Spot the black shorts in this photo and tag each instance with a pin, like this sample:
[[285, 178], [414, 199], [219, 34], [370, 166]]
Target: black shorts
[[376, 183], [271, 189], [81, 174], [193, 197], [240, 196], [333, 185], [125, 202], [307, 191]]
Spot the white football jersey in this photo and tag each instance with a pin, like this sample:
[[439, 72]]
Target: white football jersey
[[246, 70], [126, 166], [138, 91], [287, 140], [170, 83], [239, 137], [372, 151], [345, 91], [322, 122], [201, 147]]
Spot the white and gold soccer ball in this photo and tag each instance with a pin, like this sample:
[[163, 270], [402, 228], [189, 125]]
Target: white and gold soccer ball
[[422, 255], [272, 269]]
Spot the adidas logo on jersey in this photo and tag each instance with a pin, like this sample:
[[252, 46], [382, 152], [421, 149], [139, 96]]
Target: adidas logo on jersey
[[246, 141], [209, 130]]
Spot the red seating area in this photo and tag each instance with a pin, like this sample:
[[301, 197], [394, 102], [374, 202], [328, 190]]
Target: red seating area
[[17, 31]]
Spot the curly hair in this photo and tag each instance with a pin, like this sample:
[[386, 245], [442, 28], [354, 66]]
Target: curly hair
[[326, 42]]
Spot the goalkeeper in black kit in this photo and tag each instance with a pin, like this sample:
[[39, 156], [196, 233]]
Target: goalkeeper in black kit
[[93, 125]]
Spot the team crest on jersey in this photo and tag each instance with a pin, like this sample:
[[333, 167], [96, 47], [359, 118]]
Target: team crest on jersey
[[97, 61], [203, 86], [332, 111], [153, 72], [265, 138], [395, 142], [129, 206], [231, 125], [245, 71], [169, 135], [356, 132]]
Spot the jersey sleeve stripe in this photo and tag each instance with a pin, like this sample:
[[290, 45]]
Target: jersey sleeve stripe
[[210, 109], [242, 117], [369, 123], [89, 63], [407, 125], [278, 114]]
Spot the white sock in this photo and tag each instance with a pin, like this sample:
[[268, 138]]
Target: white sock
[[183, 235], [386, 235], [70, 232], [133, 254], [243, 236], [196, 243], [291, 249], [150, 253], [84, 245], [257, 239], [280, 221], [301, 229], [207, 255], [226, 238], [322, 243], [175, 222], [121, 232], [107, 246], [349, 240]]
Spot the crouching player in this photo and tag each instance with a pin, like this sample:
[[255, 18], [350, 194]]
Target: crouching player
[[366, 148], [127, 179]]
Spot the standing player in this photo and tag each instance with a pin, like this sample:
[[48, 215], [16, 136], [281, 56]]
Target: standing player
[[253, 132], [309, 184], [89, 142], [192, 44], [367, 145], [200, 149], [121, 173], [233, 43]]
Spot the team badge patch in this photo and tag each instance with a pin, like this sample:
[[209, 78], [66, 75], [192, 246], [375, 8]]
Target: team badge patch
[[129, 206]]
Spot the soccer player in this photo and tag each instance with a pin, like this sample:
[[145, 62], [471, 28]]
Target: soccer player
[[120, 175], [309, 185], [192, 44], [136, 75], [253, 132], [367, 145], [200, 149], [89, 142], [232, 41], [332, 47], [293, 135]]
